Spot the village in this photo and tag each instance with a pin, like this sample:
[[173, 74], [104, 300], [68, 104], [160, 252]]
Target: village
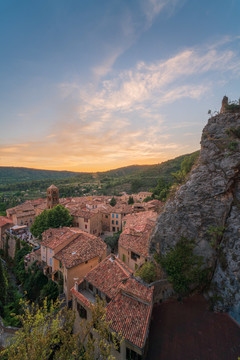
[[78, 258]]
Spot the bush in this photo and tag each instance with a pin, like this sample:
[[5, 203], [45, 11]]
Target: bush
[[147, 272], [233, 146], [184, 269]]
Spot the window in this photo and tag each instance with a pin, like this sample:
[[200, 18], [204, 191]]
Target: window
[[113, 229], [117, 228], [21, 222], [124, 258], [81, 311], [112, 215], [113, 222], [50, 251], [134, 256], [106, 216], [117, 216], [50, 261], [60, 264], [85, 226], [85, 220], [116, 222], [132, 355]]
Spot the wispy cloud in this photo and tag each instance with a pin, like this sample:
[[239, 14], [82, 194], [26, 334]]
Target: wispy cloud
[[158, 83]]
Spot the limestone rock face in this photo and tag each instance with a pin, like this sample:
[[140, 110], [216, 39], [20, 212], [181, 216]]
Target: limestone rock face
[[210, 197]]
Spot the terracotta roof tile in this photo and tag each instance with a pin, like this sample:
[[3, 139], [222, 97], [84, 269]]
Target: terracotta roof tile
[[54, 237], [108, 275], [83, 247], [129, 317], [4, 221], [135, 288], [137, 232], [81, 297]]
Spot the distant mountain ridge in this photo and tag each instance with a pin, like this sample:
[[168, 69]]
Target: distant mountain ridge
[[11, 175], [21, 174]]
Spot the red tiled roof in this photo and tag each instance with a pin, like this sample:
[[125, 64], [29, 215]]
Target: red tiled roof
[[83, 247], [136, 289], [129, 317], [108, 275], [136, 234], [130, 307], [83, 213], [140, 218], [4, 221], [54, 237], [81, 297]]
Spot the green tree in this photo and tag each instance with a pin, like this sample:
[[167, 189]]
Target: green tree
[[112, 241], [45, 334], [130, 200], [6, 247], [17, 245], [54, 218], [113, 201], [99, 347], [136, 185], [3, 286], [147, 272], [184, 269], [49, 291]]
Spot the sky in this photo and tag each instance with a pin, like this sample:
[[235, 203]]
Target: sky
[[90, 85]]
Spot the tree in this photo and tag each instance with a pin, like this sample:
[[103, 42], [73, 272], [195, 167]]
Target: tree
[[99, 347], [46, 334], [184, 269], [147, 272], [3, 286], [130, 200], [112, 241], [113, 201], [49, 291], [54, 218]]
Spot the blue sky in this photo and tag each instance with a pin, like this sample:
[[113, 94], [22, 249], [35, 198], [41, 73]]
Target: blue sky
[[94, 85]]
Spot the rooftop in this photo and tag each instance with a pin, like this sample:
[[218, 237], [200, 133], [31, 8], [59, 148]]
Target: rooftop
[[4, 221], [137, 232], [130, 317], [83, 247], [52, 238], [108, 275]]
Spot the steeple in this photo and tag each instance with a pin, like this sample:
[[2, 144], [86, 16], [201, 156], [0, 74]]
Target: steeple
[[52, 196]]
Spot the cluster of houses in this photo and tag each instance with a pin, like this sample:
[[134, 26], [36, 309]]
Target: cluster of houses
[[78, 258]]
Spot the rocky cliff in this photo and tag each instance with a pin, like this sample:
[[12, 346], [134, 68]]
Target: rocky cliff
[[209, 202]]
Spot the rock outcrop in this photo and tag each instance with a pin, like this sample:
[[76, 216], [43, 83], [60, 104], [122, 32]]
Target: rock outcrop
[[210, 199]]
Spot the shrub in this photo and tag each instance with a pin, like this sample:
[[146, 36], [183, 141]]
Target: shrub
[[184, 269], [147, 272], [233, 146]]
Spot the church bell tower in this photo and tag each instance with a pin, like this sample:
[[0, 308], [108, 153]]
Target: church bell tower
[[52, 196]]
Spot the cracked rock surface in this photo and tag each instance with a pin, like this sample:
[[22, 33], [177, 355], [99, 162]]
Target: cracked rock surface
[[210, 197]]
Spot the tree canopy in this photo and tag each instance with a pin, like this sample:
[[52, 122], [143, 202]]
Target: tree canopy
[[46, 334], [54, 218]]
